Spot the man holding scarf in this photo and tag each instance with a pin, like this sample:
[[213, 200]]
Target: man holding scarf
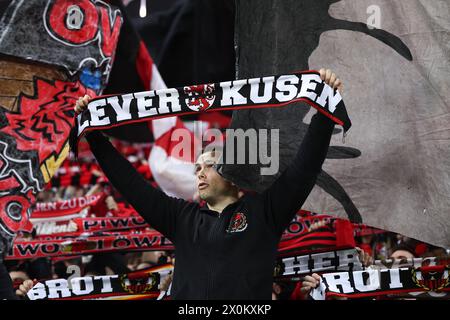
[[225, 249]]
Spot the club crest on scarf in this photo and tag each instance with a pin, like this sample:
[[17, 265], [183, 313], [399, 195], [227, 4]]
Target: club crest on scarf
[[432, 278], [201, 97], [136, 284], [238, 223]]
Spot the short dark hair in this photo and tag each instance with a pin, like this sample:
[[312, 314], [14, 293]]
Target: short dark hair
[[405, 247]]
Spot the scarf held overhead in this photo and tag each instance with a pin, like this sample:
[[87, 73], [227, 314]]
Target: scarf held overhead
[[274, 91], [291, 265], [375, 282], [52, 237], [27, 249], [131, 286], [63, 209]]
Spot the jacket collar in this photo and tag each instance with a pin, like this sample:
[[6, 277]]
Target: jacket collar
[[230, 208]]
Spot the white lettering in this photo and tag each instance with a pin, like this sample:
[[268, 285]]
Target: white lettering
[[254, 89], [72, 203], [349, 258], [64, 204], [287, 91], [106, 281], [323, 260], [37, 292], [144, 101], [58, 288], [96, 113], [82, 125], [329, 95], [338, 279], [296, 266], [122, 111], [309, 82], [82, 202], [395, 279], [373, 282], [76, 285], [166, 97], [231, 95]]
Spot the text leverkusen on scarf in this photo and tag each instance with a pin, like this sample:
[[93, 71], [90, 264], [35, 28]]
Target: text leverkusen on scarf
[[273, 91]]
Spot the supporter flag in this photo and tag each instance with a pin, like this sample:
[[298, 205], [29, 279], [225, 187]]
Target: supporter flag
[[173, 171], [52, 52], [392, 172]]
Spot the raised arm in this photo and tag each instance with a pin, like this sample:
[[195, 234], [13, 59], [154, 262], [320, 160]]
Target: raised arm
[[158, 209], [288, 193]]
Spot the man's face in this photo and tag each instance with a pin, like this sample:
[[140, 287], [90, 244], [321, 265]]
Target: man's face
[[211, 186], [401, 254]]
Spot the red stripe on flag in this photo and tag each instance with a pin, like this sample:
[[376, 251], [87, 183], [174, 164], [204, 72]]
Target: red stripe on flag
[[144, 65], [186, 142]]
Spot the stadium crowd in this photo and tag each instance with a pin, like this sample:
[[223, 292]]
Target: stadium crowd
[[25, 272]]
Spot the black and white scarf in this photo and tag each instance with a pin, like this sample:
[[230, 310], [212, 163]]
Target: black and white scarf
[[141, 284], [376, 282], [105, 112], [294, 266]]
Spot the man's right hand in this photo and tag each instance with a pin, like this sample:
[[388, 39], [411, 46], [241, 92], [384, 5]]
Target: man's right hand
[[81, 104]]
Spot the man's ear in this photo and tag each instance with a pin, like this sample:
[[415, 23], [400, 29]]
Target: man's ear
[[231, 182], [218, 168]]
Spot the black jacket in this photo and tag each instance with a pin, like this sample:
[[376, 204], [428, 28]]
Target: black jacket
[[227, 255]]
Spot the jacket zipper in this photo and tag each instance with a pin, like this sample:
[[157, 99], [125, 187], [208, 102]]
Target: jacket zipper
[[213, 236]]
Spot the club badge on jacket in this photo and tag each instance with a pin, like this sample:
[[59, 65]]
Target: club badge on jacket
[[238, 223]]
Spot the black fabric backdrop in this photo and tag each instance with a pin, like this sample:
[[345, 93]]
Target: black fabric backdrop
[[190, 41]]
